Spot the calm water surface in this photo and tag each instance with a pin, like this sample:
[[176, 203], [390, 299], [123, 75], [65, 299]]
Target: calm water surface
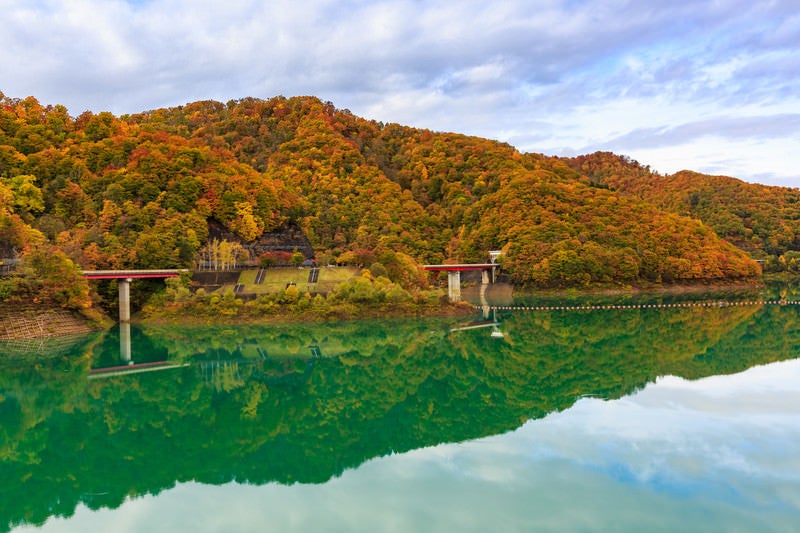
[[677, 419]]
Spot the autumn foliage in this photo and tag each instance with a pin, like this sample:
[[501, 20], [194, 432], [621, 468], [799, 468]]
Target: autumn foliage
[[137, 191], [763, 221]]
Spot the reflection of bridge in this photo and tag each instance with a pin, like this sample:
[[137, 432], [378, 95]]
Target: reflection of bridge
[[137, 368], [494, 324], [215, 372], [125, 277], [212, 370], [128, 365]]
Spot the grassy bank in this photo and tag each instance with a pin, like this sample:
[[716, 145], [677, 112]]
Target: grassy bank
[[278, 297], [273, 280], [227, 307]]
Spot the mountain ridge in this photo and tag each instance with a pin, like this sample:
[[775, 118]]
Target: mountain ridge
[[138, 190]]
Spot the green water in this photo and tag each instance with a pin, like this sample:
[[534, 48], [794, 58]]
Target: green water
[[677, 419]]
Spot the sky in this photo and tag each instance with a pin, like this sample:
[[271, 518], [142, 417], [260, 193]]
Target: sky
[[710, 86]]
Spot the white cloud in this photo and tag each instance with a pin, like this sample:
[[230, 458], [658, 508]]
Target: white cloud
[[553, 74]]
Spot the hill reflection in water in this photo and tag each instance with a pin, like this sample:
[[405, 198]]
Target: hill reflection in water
[[301, 404]]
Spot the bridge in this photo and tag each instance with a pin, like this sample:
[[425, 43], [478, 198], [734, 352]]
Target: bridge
[[125, 277], [133, 368], [454, 275]]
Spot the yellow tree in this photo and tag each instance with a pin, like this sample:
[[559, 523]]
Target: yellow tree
[[246, 225]]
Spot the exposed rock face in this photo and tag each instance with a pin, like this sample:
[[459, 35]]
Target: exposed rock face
[[289, 239]]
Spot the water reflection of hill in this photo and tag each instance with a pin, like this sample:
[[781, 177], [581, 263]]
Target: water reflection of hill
[[303, 403]]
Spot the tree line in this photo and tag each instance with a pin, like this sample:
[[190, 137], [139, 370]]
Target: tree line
[[138, 191]]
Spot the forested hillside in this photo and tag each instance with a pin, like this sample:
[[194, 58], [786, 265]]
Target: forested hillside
[[138, 191], [764, 221]]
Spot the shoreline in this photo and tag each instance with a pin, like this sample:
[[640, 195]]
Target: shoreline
[[31, 321], [364, 313]]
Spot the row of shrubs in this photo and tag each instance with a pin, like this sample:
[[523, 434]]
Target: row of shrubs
[[362, 296]]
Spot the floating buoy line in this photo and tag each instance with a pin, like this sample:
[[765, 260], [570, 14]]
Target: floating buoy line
[[634, 306]]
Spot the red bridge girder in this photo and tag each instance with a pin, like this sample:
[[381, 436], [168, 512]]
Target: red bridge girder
[[131, 274], [460, 268]]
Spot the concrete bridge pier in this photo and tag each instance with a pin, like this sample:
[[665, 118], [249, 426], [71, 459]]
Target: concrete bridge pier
[[484, 303], [125, 300], [125, 343], [454, 285]]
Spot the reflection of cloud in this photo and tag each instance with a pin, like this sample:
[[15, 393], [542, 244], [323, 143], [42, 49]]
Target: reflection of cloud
[[730, 440], [717, 454], [731, 436]]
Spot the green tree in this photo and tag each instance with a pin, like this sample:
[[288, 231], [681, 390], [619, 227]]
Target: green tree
[[297, 258], [61, 280], [27, 197]]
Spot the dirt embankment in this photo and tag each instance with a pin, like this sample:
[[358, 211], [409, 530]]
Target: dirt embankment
[[30, 321]]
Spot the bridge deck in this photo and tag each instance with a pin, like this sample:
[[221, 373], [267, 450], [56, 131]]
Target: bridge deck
[[461, 268], [131, 274]]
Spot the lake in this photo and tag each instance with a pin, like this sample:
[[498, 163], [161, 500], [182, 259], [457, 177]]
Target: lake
[[628, 418]]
